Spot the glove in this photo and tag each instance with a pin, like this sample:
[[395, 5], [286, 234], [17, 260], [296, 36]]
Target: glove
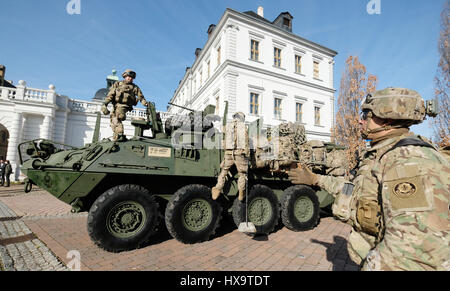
[[105, 109], [302, 175]]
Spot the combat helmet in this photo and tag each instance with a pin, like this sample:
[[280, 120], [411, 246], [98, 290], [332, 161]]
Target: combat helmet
[[239, 115], [130, 73], [396, 104]]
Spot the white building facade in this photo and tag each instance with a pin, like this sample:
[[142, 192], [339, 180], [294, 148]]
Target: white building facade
[[264, 70], [28, 113]]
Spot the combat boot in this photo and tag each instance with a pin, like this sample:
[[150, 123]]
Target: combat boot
[[241, 195], [215, 193]]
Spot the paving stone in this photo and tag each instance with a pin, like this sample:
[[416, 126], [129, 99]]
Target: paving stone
[[58, 232]]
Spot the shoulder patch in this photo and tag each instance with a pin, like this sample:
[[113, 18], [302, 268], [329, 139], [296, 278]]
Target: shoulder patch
[[405, 189], [407, 194]]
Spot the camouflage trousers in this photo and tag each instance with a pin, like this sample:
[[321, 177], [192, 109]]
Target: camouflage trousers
[[233, 158], [117, 116]]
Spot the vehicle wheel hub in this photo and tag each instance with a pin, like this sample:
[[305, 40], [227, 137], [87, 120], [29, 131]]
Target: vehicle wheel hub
[[126, 219], [197, 214], [259, 211], [303, 209]]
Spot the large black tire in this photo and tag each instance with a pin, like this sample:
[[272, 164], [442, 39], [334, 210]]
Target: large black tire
[[123, 218], [300, 208], [191, 214], [263, 209]]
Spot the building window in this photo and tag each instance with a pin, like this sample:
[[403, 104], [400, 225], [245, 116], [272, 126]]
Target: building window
[[195, 86], [277, 57], [218, 56], [298, 112], [201, 79], [209, 68], [254, 103], [277, 108], [298, 64], [316, 115], [316, 69], [254, 52]]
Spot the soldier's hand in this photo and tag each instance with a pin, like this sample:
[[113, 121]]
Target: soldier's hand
[[105, 110], [299, 174]]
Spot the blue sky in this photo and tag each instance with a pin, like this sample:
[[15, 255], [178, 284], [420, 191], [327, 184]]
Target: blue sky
[[42, 44]]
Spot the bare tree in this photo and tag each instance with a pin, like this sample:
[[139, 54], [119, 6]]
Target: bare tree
[[355, 85], [442, 81]]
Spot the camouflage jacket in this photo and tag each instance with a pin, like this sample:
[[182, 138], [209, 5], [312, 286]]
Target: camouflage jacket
[[400, 206], [124, 94]]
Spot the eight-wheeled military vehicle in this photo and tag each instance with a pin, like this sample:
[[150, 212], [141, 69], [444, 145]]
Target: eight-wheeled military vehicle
[[130, 188]]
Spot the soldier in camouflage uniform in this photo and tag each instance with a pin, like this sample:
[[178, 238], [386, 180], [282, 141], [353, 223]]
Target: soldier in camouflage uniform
[[237, 152], [398, 202], [123, 95]]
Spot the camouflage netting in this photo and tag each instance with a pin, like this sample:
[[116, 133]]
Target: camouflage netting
[[287, 143]]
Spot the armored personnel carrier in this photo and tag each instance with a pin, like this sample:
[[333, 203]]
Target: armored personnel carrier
[[132, 188]]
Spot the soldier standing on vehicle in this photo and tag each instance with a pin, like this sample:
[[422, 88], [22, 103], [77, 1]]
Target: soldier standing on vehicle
[[237, 152], [398, 202], [123, 95]]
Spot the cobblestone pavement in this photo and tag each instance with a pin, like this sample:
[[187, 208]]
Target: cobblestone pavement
[[20, 249], [48, 234]]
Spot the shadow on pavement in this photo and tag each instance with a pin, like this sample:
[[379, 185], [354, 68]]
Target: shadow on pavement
[[226, 226], [336, 251]]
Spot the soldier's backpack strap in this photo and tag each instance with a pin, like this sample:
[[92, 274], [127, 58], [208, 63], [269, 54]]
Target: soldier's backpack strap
[[407, 142]]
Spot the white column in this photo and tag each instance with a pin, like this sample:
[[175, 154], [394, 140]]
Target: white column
[[47, 127], [24, 125], [331, 73], [64, 128], [231, 42], [15, 137], [230, 91]]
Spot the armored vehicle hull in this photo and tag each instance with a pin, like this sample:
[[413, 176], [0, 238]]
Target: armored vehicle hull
[[132, 188]]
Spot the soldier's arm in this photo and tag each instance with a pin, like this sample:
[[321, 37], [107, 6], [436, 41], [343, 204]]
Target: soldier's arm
[[331, 184], [111, 94], [301, 174], [140, 96]]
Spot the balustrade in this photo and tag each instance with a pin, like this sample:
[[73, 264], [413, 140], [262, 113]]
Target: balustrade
[[49, 96], [36, 95]]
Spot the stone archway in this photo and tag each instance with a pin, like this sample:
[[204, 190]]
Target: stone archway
[[4, 137]]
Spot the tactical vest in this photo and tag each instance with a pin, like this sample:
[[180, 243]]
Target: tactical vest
[[369, 213], [125, 94], [236, 136]]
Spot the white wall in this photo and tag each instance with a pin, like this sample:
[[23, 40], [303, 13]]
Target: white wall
[[238, 75]]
